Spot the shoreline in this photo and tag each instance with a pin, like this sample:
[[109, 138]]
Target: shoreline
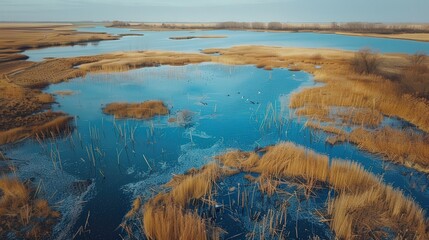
[[15, 38], [421, 35], [418, 37]]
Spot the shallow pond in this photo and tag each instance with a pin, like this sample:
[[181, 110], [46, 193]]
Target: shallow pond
[[230, 106], [159, 40]]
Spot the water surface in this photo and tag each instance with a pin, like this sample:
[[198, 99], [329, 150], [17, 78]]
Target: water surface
[[159, 40], [127, 158]]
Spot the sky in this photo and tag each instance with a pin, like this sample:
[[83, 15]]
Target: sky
[[216, 10]]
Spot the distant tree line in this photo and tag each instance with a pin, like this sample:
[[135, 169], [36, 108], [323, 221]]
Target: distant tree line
[[119, 24], [357, 27]]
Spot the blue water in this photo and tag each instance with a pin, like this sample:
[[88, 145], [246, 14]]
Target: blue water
[[229, 105], [155, 40]]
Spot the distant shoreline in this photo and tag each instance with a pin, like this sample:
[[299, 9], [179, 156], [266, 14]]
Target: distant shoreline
[[414, 32]]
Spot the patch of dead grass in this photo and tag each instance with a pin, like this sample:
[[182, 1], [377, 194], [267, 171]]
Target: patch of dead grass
[[22, 214], [144, 110]]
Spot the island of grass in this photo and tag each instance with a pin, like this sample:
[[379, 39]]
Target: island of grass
[[130, 34], [64, 93], [144, 110], [192, 37]]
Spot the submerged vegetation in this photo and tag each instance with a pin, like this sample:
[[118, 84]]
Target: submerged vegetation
[[144, 110]]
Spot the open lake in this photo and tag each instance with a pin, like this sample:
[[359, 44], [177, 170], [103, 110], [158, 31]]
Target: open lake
[[159, 40]]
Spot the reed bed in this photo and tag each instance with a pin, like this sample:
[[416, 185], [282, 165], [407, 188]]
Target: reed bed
[[57, 126], [22, 214], [144, 110], [332, 140], [350, 177], [364, 207], [372, 95], [50, 71], [405, 147], [166, 215], [321, 113], [325, 128], [376, 213], [172, 222], [360, 117], [13, 135], [239, 159], [287, 159], [194, 185]]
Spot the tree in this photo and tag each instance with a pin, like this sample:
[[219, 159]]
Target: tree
[[275, 26], [119, 24], [258, 25], [366, 61]]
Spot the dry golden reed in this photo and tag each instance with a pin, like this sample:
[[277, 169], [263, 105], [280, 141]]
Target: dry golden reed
[[406, 147], [144, 110], [165, 216], [325, 128], [360, 117], [364, 206], [238, 159], [54, 127], [321, 113], [194, 185], [22, 214], [376, 213], [350, 177], [172, 222], [287, 159]]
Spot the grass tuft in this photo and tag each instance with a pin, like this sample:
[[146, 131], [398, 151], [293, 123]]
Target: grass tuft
[[22, 214]]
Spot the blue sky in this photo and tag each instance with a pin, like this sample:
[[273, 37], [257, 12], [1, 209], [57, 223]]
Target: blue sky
[[216, 10]]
